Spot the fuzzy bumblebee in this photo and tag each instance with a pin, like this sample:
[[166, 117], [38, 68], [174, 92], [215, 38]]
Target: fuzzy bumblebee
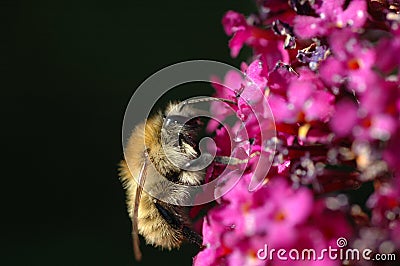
[[165, 225]]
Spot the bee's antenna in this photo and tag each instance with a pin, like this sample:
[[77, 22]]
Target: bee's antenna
[[205, 99], [209, 99]]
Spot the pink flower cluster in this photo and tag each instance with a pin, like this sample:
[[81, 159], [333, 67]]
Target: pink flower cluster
[[329, 71]]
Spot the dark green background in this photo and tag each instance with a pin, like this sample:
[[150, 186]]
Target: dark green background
[[68, 70]]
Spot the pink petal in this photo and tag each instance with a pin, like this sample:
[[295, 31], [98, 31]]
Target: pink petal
[[233, 22], [320, 106], [307, 27], [355, 15], [345, 118]]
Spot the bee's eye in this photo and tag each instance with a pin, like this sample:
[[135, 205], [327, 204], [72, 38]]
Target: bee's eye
[[175, 119]]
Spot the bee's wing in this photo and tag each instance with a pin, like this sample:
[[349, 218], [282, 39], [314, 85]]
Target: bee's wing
[[135, 230], [176, 220]]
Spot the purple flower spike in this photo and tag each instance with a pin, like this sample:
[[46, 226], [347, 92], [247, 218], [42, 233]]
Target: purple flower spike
[[335, 96]]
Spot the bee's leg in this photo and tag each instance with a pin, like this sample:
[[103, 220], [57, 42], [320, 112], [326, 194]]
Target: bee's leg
[[234, 161], [177, 222]]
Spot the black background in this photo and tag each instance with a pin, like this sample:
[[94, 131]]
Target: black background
[[68, 71]]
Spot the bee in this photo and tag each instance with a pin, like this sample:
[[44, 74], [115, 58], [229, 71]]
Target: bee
[[165, 225]]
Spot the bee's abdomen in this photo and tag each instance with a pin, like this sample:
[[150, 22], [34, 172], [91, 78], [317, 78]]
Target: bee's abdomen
[[155, 229]]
